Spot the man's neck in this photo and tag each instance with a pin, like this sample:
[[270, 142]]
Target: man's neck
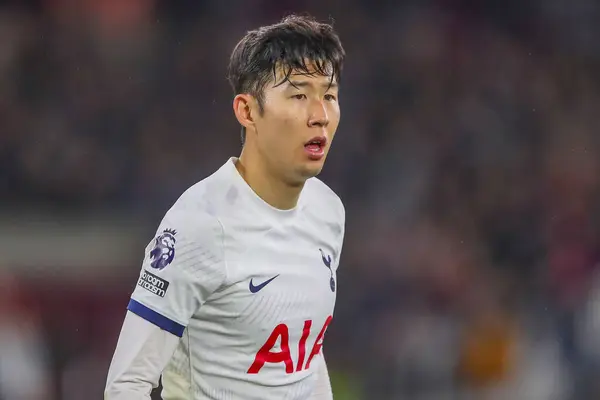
[[272, 189]]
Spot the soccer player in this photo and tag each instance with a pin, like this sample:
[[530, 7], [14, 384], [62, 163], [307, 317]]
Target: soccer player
[[238, 287]]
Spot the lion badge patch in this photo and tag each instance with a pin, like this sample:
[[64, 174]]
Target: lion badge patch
[[164, 249]]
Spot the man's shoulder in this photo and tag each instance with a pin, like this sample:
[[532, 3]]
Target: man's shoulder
[[321, 194], [205, 197], [196, 211]]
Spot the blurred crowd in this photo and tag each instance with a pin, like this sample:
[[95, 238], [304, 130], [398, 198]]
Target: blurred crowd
[[467, 159]]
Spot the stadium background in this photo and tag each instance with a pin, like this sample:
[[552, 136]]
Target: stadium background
[[467, 158]]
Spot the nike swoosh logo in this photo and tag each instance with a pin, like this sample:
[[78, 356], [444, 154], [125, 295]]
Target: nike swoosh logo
[[257, 288]]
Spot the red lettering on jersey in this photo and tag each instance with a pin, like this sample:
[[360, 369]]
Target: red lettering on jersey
[[302, 344], [281, 332], [265, 355], [319, 342]]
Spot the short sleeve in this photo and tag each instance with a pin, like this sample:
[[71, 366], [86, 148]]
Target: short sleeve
[[183, 265]]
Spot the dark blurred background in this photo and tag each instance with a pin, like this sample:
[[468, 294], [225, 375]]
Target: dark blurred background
[[467, 159]]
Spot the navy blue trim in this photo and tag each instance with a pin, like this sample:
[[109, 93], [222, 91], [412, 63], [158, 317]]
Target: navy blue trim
[[157, 319]]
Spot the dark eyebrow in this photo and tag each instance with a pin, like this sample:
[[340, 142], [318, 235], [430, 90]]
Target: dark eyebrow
[[300, 84]]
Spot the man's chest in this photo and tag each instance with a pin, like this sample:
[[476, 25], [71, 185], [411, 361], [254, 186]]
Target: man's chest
[[278, 277], [279, 298]]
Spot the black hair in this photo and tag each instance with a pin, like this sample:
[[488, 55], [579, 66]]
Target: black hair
[[296, 44]]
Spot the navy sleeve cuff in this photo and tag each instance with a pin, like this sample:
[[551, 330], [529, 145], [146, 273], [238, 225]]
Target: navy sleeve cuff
[[155, 318]]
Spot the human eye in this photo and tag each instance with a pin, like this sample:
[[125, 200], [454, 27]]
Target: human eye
[[299, 96]]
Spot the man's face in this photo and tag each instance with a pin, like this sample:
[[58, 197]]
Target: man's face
[[295, 131]]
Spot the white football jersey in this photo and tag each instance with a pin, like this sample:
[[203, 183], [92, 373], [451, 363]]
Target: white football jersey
[[249, 288]]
